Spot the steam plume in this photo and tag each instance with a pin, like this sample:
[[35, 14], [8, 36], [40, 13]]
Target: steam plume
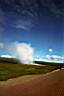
[[23, 51]]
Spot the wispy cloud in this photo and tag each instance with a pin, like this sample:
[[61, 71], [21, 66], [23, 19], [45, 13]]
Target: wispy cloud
[[54, 57], [55, 8], [1, 45], [23, 24]]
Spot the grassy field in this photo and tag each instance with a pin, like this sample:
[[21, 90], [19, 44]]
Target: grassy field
[[11, 68], [14, 70]]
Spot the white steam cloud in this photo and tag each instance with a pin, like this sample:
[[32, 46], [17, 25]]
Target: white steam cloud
[[23, 51]]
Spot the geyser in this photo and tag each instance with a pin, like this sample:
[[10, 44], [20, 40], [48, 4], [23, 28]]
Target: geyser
[[22, 51]]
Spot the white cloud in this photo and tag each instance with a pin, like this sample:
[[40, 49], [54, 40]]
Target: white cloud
[[7, 56], [54, 57], [50, 50], [48, 56]]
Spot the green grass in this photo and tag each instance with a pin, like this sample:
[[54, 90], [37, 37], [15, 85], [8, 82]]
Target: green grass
[[10, 70]]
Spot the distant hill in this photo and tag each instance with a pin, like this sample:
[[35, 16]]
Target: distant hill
[[48, 63], [9, 60]]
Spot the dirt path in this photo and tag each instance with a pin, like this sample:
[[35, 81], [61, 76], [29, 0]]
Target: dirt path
[[48, 85]]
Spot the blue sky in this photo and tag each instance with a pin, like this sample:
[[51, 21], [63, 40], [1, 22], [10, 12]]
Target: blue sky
[[37, 22]]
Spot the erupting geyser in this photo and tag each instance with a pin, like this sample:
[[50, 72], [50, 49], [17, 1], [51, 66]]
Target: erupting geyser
[[24, 53]]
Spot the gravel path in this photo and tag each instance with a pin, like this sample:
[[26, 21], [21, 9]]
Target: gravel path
[[51, 84]]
